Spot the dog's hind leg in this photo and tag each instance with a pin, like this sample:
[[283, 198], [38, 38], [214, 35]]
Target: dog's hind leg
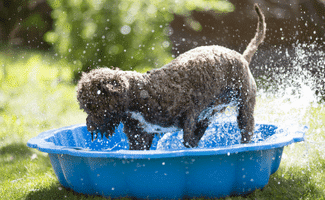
[[138, 138], [245, 119]]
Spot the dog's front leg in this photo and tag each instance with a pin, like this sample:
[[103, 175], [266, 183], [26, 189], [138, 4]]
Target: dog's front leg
[[201, 127], [138, 138]]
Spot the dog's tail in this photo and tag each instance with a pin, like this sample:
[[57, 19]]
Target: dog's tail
[[259, 36]]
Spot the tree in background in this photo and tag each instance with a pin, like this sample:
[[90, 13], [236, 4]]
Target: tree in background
[[24, 22], [130, 35]]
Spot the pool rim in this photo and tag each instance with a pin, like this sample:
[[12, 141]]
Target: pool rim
[[39, 142]]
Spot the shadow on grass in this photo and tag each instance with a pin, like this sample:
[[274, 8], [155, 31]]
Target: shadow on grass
[[19, 150], [16, 158], [57, 191]]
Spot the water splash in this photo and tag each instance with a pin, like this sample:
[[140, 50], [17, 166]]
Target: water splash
[[290, 104]]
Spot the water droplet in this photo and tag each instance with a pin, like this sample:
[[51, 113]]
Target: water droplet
[[144, 94], [165, 44], [125, 29]]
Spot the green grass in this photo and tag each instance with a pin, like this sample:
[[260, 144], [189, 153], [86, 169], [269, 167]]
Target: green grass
[[37, 94]]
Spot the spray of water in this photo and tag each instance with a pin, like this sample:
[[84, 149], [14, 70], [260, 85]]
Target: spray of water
[[297, 101]]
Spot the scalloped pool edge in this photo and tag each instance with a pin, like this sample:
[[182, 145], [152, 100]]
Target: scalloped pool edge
[[40, 142]]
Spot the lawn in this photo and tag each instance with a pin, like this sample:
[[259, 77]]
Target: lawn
[[37, 94]]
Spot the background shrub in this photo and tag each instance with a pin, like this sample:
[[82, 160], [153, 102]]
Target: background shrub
[[23, 23], [130, 35]]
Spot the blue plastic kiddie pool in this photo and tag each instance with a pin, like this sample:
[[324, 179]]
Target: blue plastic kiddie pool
[[219, 167]]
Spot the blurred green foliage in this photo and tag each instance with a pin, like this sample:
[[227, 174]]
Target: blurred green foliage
[[23, 23], [128, 34]]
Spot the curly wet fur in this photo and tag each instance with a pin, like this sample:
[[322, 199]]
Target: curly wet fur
[[174, 95]]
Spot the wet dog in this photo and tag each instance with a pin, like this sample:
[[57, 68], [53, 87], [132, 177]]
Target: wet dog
[[184, 94]]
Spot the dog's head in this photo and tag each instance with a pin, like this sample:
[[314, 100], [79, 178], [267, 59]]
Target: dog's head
[[102, 94]]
